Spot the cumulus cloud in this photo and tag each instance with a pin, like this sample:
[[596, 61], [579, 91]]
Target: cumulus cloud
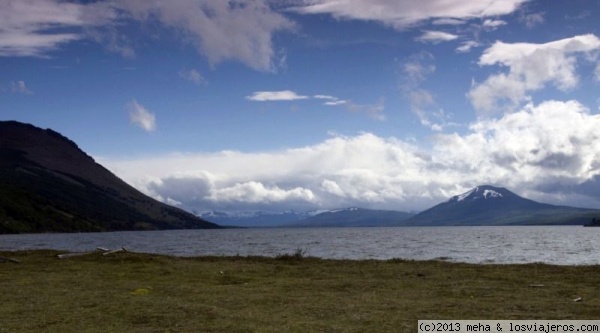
[[140, 116], [436, 37], [554, 141], [531, 67], [364, 167], [401, 14], [282, 95], [255, 192], [531, 152]]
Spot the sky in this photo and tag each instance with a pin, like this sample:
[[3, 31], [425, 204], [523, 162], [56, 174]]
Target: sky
[[315, 104]]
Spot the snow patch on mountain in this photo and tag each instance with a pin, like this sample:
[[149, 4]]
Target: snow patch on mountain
[[351, 209], [463, 196], [491, 194], [479, 192]]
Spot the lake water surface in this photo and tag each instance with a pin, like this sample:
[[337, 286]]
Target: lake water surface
[[562, 245]]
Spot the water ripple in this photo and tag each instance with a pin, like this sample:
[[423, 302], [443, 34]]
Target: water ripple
[[562, 245]]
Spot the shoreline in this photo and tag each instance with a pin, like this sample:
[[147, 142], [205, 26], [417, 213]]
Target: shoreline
[[297, 255]]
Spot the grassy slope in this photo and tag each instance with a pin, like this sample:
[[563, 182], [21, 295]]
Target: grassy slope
[[129, 292]]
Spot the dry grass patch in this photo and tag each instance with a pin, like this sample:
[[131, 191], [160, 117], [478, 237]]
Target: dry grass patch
[[129, 292]]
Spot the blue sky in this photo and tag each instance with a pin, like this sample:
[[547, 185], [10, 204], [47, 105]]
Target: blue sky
[[315, 104]]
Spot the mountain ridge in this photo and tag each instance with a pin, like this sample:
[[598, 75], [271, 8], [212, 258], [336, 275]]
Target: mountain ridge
[[354, 217], [48, 184], [491, 205], [341, 217]]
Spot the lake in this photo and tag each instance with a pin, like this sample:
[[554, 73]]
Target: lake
[[561, 245]]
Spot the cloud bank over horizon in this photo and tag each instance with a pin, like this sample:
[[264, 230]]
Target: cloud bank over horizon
[[534, 152]]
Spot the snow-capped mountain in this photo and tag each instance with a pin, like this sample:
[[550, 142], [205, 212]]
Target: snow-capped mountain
[[490, 205]]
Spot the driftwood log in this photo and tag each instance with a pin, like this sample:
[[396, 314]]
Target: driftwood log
[[4, 259], [114, 251], [102, 250]]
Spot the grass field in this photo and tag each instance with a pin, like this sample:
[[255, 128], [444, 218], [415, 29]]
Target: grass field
[[130, 292]]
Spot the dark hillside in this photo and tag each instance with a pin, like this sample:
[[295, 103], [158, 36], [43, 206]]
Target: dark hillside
[[48, 184]]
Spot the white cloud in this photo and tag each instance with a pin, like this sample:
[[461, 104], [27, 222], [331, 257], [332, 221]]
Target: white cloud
[[35, 27], [19, 87], [530, 152], [254, 192], [467, 46], [140, 116], [192, 75], [335, 102], [530, 68], [331, 100], [448, 21], [331, 187], [220, 30], [374, 111], [401, 14], [436, 37], [597, 72], [282, 95], [493, 24]]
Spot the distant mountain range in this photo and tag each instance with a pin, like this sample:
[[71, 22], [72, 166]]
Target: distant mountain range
[[254, 219], [482, 205], [353, 217], [347, 217], [48, 184]]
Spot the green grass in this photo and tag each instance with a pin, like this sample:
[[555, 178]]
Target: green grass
[[129, 292]]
